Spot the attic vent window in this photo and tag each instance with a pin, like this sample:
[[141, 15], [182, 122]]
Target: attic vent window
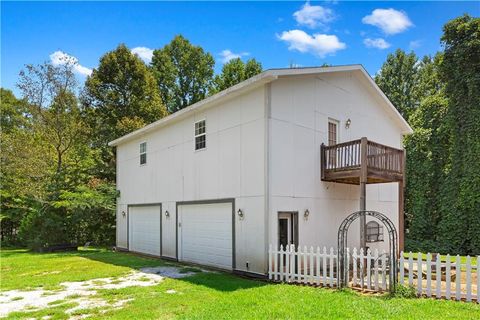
[[143, 153], [200, 135], [374, 232]]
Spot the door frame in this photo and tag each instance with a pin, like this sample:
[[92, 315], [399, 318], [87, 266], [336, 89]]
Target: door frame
[[293, 217], [210, 201], [128, 222]]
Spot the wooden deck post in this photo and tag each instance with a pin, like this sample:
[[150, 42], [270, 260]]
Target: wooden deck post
[[401, 203], [363, 190]]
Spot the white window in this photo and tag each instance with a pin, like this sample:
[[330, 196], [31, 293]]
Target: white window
[[143, 153], [374, 232], [332, 132], [200, 135]]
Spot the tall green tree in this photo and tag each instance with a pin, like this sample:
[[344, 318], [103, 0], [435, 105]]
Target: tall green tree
[[235, 71], [460, 70], [184, 73], [121, 95], [398, 79]]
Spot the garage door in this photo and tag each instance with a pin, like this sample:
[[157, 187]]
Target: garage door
[[144, 229], [205, 234]]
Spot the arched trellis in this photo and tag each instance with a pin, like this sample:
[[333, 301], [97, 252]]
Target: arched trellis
[[342, 246]]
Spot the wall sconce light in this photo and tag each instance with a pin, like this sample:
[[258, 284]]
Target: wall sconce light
[[167, 214], [123, 214], [306, 214], [348, 123], [240, 213]]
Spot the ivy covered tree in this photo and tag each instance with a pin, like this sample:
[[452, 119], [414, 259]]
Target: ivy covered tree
[[460, 70], [184, 73], [235, 71]]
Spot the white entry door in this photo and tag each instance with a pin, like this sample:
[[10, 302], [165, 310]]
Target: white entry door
[[205, 234], [144, 229]]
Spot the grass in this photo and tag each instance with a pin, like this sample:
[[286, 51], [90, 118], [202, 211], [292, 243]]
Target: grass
[[453, 258], [21, 269], [206, 295]]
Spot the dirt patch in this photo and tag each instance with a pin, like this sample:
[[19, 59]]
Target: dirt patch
[[82, 292]]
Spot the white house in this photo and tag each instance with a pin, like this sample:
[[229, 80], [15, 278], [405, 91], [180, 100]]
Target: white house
[[217, 182]]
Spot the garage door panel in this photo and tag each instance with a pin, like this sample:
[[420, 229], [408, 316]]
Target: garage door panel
[[144, 229], [205, 235]]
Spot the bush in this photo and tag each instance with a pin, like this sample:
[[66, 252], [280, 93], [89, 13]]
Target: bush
[[406, 292]]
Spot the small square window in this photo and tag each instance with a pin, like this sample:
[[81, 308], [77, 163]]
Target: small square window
[[374, 232], [200, 135], [143, 153]]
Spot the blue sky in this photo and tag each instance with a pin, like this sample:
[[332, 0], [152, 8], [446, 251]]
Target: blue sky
[[277, 34]]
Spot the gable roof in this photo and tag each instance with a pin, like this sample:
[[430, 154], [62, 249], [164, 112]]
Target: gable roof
[[259, 80]]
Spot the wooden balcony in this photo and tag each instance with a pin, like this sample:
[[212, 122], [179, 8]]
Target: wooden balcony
[[360, 161]]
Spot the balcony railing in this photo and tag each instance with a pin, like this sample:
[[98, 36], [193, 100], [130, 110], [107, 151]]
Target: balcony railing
[[347, 162]]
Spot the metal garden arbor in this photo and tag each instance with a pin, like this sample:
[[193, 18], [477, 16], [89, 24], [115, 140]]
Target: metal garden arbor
[[342, 246]]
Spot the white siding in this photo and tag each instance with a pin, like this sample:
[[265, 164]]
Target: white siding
[[231, 166], [300, 109]]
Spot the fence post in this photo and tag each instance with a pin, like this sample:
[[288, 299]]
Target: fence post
[[369, 267], [401, 268], [354, 258], [270, 262], [469, 279], [448, 277], [419, 273], [376, 268], [331, 267], [438, 272], [458, 273], [478, 279], [280, 253], [429, 275], [324, 261], [318, 266]]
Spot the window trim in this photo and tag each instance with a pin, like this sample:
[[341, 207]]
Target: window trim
[[195, 135], [141, 153], [337, 131], [379, 235]]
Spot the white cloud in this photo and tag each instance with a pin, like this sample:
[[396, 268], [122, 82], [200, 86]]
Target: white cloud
[[143, 53], [60, 58], [313, 16], [415, 44], [228, 55], [378, 43], [318, 44], [390, 21]]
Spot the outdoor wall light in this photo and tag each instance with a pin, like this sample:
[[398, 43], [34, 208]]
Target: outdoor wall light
[[240, 213], [123, 214], [167, 214], [348, 123], [306, 214]]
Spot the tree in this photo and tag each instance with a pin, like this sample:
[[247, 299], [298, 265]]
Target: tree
[[184, 73], [460, 69], [398, 79], [233, 72], [120, 96]]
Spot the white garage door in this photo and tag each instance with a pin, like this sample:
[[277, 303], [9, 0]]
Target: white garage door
[[205, 234], [144, 229]]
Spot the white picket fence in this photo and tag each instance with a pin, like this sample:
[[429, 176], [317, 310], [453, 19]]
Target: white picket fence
[[437, 276], [441, 276], [319, 267]]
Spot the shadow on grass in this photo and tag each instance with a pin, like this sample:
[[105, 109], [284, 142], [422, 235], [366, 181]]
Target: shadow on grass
[[221, 281]]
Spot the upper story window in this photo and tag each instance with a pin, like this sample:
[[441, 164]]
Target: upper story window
[[200, 135], [374, 232], [143, 153], [332, 132]]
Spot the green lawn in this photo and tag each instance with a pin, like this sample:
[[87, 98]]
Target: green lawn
[[206, 295]]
